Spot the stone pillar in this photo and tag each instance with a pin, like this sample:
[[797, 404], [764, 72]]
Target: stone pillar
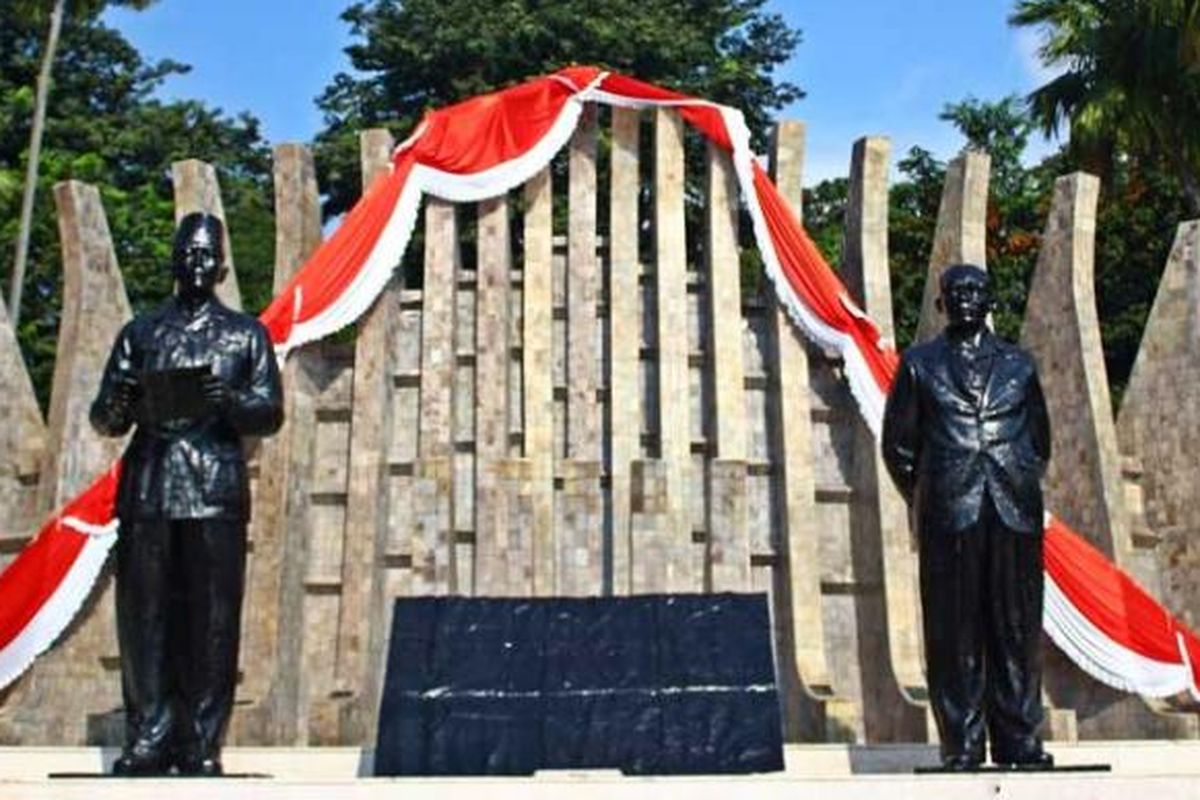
[[22, 442], [273, 618], [674, 403], [433, 556], [813, 707], [625, 338], [359, 635], [961, 233], [537, 365], [1159, 428], [728, 536], [72, 696], [1083, 484], [196, 189], [884, 549], [580, 562]]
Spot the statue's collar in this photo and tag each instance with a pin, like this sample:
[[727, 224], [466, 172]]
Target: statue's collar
[[189, 315]]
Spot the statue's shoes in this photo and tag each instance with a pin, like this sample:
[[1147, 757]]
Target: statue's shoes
[[200, 766], [139, 760], [1034, 759], [961, 763]]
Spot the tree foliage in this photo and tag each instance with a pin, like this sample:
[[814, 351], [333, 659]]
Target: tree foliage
[[414, 55], [105, 128], [1130, 80]]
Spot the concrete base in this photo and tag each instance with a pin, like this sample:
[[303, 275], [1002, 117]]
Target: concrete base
[[1162, 770]]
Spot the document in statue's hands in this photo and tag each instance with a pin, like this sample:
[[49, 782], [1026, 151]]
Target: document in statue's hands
[[174, 393]]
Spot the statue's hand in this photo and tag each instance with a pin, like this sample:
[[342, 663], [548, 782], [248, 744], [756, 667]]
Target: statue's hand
[[216, 392], [128, 388]]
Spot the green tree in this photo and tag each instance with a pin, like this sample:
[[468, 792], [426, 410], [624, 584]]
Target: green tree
[[413, 55], [103, 126], [1130, 80]]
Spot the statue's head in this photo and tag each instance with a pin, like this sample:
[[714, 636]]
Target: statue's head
[[198, 254], [966, 297]]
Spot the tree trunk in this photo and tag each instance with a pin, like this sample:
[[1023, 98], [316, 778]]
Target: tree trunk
[[31, 169]]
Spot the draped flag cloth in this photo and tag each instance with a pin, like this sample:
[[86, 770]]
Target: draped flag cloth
[[485, 146]]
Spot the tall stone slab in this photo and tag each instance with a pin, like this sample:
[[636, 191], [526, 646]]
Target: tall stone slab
[[670, 281], [883, 547], [961, 233], [433, 551], [625, 338], [493, 542], [1083, 485], [814, 708], [94, 309], [1061, 329], [728, 536], [580, 562], [73, 694], [22, 442], [197, 189], [537, 377], [272, 705], [362, 617], [1159, 427]]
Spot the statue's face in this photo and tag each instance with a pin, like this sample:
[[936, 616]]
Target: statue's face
[[966, 297], [197, 259]]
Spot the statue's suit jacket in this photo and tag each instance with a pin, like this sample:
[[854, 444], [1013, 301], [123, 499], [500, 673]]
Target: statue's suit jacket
[[948, 446], [191, 468]]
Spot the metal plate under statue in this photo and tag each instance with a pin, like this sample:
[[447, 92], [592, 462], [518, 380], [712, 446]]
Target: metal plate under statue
[[194, 377], [966, 438]]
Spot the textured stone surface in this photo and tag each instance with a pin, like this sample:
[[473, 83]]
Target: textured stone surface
[[1159, 426], [961, 232], [22, 439]]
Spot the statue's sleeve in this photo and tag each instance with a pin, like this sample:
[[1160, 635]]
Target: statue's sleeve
[[902, 430], [257, 408], [108, 415], [1039, 420]]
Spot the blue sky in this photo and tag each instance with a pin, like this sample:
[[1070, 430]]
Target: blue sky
[[879, 67]]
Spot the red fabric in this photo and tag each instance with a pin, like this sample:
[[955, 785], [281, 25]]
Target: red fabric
[[327, 273], [34, 575], [705, 118], [1111, 600], [817, 286]]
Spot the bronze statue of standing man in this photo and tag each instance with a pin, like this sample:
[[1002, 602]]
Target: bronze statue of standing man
[[194, 377], [966, 438]]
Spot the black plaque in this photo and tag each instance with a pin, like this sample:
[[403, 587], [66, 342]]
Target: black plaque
[[653, 684]]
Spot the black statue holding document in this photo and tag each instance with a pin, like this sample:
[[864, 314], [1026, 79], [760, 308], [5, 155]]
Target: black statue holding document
[[194, 377], [966, 438]]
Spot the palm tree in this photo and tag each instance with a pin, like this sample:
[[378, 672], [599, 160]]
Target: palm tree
[[1129, 80]]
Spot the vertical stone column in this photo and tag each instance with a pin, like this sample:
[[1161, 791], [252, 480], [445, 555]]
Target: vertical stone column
[[273, 624], [670, 274], [883, 548], [537, 377], [73, 697], [493, 545], [1159, 429], [1083, 481], [22, 440], [811, 702], [1083, 484], [728, 537], [625, 338], [197, 189], [433, 556], [360, 639], [580, 564], [961, 233]]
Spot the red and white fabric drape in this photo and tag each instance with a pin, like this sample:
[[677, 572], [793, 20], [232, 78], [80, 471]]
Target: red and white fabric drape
[[482, 148]]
